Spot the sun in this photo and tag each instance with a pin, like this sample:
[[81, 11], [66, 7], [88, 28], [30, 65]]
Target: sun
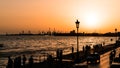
[[91, 21]]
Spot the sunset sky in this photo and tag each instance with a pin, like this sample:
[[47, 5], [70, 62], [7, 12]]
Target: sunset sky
[[40, 15]]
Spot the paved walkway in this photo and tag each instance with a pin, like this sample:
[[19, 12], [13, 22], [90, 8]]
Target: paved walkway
[[104, 60]]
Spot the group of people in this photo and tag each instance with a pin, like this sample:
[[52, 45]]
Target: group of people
[[19, 62], [86, 50]]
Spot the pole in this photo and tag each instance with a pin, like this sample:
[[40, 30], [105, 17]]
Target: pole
[[116, 33], [77, 42], [77, 46]]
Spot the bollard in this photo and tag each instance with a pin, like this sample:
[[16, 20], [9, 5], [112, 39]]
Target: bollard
[[59, 54]]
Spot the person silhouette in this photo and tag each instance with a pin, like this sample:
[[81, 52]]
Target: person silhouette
[[24, 60], [19, 61], [31, 61], [15, 62], [114, 52], [10, 62], [72, 49], [119, 58], [72, 52]]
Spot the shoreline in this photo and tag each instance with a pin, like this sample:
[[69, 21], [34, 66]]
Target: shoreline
[[63, 35]]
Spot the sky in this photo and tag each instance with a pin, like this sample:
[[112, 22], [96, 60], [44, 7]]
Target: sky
[[39, 15]]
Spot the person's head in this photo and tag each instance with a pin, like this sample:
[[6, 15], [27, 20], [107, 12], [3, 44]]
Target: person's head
[[23, 55], [31, 56], [9, 57]]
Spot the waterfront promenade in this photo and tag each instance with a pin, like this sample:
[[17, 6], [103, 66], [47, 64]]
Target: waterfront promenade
[[69, 62]]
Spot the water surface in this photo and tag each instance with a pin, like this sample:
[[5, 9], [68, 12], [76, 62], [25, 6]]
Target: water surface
[[40, 45]]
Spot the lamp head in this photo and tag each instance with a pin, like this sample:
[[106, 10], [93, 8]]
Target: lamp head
[[77, 24]]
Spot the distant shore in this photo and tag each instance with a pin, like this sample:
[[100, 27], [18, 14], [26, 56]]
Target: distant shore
[[109, 34]]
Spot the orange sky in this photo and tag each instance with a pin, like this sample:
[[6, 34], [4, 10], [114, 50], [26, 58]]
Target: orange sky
[[40, 15]]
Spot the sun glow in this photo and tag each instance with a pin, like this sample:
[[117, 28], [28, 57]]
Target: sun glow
[[91, 20]]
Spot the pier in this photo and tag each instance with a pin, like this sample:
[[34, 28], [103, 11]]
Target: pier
[[68, 61]]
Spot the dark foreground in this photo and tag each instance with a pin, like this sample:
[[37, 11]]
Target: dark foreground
[[70, 60]]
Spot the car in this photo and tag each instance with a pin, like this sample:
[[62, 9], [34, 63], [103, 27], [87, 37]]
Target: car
[[93, 58]]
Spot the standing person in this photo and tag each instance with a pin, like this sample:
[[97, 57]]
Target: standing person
[[10, 62], [19, 61], [119, 57], [72, 50], [57, 53], [24, 60], [72, 53], [31, 61], [114, 52], [15, 62], [111, 57], [61, 52], [83, 49]]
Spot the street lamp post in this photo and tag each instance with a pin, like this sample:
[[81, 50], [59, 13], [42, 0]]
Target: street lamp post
[[77, 26], [116, 33]]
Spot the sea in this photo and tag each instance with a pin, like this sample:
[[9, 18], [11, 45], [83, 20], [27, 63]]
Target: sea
[[41, 46]]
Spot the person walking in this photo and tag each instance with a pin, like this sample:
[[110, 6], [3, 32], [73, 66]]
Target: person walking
[[24, 60], [31, 61], [10, 62]]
